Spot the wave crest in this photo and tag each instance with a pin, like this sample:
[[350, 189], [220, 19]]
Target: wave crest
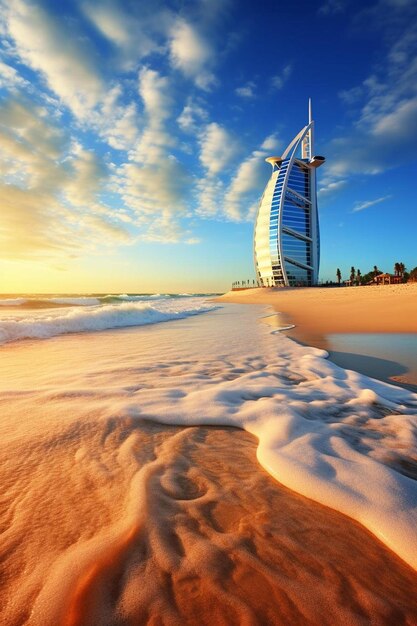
[[91, 319]]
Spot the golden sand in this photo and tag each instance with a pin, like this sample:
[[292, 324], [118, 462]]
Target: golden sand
[[319, 311], [220, 542], [107, 519], [322, 310]]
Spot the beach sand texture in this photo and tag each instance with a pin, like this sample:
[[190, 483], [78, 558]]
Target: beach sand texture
[[109, 518], [324, 310], [167, 525]]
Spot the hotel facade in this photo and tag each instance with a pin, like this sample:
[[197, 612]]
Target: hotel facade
[[286, 239]]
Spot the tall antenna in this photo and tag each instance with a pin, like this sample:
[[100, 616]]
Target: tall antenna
[[311, 131], [307, 145]]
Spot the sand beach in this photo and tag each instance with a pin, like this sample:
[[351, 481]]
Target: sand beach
[[170, 454], [323, 316], [199, 470], [322, 310]]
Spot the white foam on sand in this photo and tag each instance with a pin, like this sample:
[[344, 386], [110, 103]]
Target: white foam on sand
[[333, 435]]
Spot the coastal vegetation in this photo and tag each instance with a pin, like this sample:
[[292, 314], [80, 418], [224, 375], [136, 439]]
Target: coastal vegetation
[[413, 276], [356, 277]]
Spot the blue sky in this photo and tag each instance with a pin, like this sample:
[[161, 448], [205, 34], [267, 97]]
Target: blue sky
[[133, 136]]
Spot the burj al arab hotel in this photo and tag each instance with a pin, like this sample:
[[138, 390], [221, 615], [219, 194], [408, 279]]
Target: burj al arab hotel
[[286, 241]]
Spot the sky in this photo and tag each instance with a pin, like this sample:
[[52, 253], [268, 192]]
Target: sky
[[133, 136]]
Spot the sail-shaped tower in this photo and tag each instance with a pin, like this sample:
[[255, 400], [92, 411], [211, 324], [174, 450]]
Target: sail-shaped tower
[[286, 241]]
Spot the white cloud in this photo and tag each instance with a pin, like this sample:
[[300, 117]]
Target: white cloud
[[136, 31], [331, 187], [246, 91], [192, 116], [331, 7], [210, 197], [360, 206], [384, 133], [10, 78], [238, 201], [154, 90], [191, 54], [279, 80], [49, 190], [242, 196], [87, 175], [30, 146], [271, 143], [153, 190], [217, 148], [351, 96], [154, 185], [43, 44], [111, 22], [115, 122], [249, 178], [399, 123]]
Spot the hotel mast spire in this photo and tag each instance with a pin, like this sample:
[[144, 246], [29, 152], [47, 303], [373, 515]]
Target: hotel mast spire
[[307, 145]]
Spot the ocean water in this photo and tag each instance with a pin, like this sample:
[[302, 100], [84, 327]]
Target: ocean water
[[83, 381], [40, 317]]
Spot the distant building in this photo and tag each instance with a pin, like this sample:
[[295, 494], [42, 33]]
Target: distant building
[[388, 279], [286, 240]]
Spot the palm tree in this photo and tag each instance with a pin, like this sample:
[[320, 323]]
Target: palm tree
[[376, 271], [338, 276], [413, 276], [352, 274], [402, 269], [397, 269], [358, 277]]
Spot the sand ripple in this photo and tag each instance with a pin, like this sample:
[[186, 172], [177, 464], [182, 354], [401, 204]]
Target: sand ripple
[[169, 525]]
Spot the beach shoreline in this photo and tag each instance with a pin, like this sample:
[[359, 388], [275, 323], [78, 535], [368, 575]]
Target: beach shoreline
[[121, 471], [324, 310], [312, 315]]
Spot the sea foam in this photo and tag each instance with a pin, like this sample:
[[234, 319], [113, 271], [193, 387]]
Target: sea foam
[[70, 425], [94, 318]]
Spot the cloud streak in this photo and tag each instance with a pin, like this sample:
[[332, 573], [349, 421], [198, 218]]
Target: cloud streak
[[191, 53], [384, 132], [66, 65], [360, 206]]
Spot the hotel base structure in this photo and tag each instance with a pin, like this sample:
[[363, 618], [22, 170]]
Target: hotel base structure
[[287, 241]]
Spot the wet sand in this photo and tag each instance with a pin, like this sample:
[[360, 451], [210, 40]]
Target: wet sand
[[107, 519], [215, 540], [318, 312]]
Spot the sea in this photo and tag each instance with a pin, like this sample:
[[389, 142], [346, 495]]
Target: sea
[[88, 383]]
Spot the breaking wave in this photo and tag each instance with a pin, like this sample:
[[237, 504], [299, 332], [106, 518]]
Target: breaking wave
[[54, 301], [95, 318]]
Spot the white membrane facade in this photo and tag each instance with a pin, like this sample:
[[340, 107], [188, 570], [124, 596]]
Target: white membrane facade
[[286, 242]]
